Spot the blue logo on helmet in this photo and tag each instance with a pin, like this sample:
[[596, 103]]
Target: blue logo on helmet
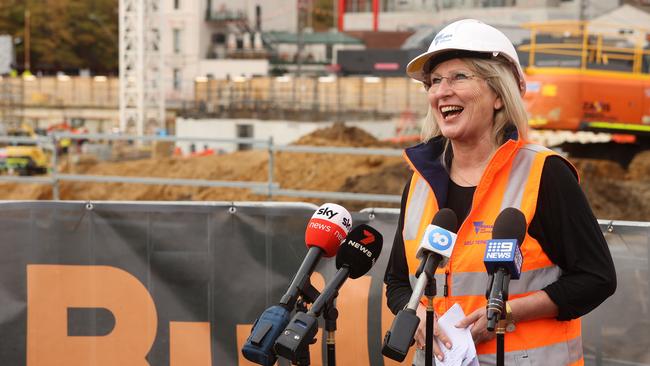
[[440, 239]]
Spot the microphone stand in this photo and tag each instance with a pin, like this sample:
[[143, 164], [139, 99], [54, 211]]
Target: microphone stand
[[330, 314], [501, 330], [497, 298], [428, 348], [429, 292]]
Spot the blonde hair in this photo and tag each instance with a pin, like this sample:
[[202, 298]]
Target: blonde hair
[[498, 74]]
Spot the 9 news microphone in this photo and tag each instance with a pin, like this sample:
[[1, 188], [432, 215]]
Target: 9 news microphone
[[435, 249], [326, 229], [503, 260], [357, 254]]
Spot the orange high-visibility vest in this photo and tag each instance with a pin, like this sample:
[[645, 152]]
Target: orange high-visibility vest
[[511, 179]]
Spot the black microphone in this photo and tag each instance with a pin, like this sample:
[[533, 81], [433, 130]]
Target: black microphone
[[503, 260], [325, 231], [357, 254], [435, 249]]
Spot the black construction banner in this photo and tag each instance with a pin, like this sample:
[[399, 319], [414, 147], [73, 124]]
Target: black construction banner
[[180, 284]]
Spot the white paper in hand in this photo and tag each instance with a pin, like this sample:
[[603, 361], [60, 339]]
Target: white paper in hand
[[463, 350]]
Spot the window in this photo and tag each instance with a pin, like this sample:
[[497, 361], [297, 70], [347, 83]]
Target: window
[[177, 4], [177, 40], [359, 6], [218, 38], [177, 79], [244, 131]]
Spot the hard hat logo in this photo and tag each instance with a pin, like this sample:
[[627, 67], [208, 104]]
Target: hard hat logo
[[440, 37]]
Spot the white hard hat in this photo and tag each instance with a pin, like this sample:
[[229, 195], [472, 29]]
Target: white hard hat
[[469, 35]]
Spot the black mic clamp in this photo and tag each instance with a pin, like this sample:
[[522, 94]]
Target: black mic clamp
[[297, 336], [399, 338]]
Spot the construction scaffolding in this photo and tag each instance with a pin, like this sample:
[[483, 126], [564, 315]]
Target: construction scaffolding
[[142, 103], [11, 103]]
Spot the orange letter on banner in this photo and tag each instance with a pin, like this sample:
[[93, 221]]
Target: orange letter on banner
[[189, 344], [352, 333], [52, 289]]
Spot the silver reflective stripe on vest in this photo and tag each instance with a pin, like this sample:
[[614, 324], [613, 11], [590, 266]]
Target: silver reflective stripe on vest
[[475, 283], [440, 283], [557, 354], [519, 175], [415, 209]]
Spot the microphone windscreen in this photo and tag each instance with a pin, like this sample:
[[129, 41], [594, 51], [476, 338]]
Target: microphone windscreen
[[360, 250], [440, 236], [510, 224], [446, 218], [327, 228]]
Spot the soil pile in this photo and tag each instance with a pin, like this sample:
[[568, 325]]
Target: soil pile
[[614, 193], [340, 135]]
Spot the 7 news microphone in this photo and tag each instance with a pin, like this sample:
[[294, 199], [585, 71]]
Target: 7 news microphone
[[503, 261], [326, 229], [357, 254], [434, 250]]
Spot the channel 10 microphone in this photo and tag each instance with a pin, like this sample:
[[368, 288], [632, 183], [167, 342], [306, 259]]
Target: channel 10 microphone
[[435, 249], [325, 231], [357, 254], [503, 260]]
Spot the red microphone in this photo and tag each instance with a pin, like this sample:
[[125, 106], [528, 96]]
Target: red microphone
[[326, 229]]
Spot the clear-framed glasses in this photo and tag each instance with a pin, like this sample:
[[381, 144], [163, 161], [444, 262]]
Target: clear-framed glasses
[[457, 80]]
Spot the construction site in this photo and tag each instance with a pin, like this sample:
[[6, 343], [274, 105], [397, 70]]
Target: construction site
[[157, 201]]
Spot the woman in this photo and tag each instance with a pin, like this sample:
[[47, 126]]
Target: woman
[[475, 159]]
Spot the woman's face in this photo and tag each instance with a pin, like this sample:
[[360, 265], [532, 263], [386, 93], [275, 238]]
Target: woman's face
[[462, 102]]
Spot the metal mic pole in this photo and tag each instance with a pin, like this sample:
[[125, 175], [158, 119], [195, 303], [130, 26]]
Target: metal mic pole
[[330, 314], [500, 329], [429, 292]]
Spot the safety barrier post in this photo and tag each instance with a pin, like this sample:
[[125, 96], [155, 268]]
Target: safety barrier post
[[270, 149], [54, 173]]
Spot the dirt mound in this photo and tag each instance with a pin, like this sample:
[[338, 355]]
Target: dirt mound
[[618, 200], [339, 135], [594, 169], [615, 193], [639, 168]]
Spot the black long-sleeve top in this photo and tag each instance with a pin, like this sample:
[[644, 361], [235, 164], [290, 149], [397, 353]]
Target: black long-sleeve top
[[564, 226]]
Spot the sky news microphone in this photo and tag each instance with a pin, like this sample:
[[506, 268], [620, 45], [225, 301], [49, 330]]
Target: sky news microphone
[[503, 260], [325, 231], [357, 254], [434, 250]]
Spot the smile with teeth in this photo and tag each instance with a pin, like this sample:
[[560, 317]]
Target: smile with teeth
[[450, 110]]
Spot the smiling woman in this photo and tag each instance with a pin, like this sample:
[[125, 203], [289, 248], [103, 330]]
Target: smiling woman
[[476, 160]]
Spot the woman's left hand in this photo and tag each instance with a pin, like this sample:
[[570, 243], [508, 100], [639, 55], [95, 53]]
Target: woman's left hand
[[478, 320]]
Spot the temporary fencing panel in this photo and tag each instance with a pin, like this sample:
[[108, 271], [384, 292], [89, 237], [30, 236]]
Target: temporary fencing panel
[[181, 284]]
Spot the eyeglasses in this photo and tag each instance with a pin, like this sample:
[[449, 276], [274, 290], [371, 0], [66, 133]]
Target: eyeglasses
[[456, 81]]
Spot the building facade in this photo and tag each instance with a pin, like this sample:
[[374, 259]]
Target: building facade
[[397, 15], [217, 39]]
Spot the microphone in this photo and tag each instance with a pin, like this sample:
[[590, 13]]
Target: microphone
[[434, 250], [326, 229], [357, 254], [503, 260]]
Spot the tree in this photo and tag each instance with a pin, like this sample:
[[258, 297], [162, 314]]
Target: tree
[[323, 17], [65, 35]]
